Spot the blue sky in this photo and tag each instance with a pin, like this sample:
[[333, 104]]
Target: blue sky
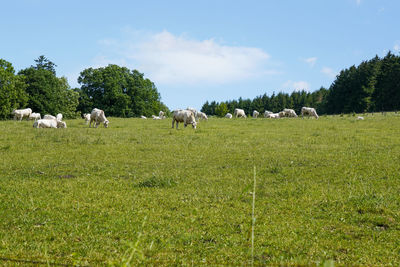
[[196, 51]]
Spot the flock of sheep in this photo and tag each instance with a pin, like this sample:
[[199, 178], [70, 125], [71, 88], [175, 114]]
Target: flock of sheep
[[49, 121], [189, 115], [186, 116], [305, 111]]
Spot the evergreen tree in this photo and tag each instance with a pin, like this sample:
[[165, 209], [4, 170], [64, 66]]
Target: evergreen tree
[[213, 105], [232, 105], [387, 93], [206, 108], [42, 63]]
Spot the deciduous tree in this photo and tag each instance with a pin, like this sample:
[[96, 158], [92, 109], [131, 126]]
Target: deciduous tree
[[12, 90]]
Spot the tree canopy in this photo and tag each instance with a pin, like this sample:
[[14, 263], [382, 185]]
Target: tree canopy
[[119, 92], [12, 90], [372, 86], [42, 63]]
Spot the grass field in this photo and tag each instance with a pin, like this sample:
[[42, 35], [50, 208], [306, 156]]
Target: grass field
[[140, 192]]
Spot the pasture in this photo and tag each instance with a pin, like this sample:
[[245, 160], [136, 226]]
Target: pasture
[[140, 192]]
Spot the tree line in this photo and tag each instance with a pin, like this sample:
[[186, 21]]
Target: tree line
[[120, 92], [372, 86], [275, 103]]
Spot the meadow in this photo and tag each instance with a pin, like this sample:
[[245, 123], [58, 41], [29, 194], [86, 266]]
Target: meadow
[[141, 193]]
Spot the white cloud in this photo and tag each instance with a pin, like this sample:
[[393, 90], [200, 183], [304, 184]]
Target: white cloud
[[296, 86], [329, 72], [169, 59], [310, 61], [396, 46], [358, 2]]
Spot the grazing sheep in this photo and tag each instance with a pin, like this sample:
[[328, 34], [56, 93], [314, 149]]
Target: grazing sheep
[[266, 113], [273, 115], [35, 116], [287, 112], [49, 123], [21, 113], [97, 116], [255, 114], [86, 116], [201, 115], [185, 116], [239, 113], [309, 112], [228, 115]]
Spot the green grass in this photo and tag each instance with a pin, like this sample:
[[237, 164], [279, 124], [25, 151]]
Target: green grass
[[140, 192]]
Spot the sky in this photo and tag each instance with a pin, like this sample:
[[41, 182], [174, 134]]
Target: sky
[[198, 51]]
